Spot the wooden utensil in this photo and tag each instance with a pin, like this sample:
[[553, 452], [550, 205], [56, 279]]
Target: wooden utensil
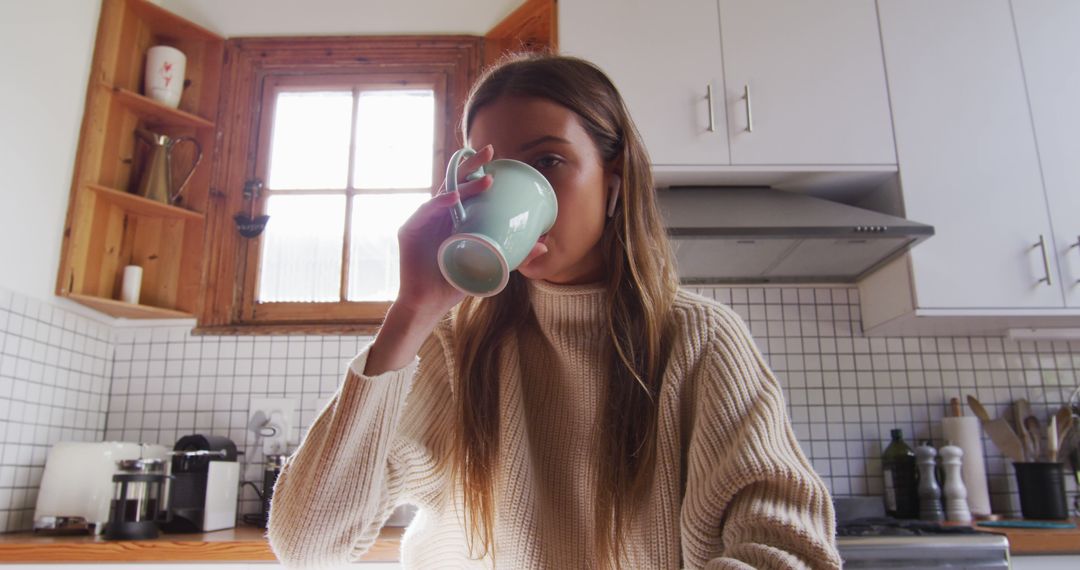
[[1052, 440], [999, 431], [1034, 432], [1064, 423], [1020, 412], [978, 409]]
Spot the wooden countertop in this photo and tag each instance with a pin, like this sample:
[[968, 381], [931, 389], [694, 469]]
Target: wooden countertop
[[249, 544], [238, 544], [1033, 541]]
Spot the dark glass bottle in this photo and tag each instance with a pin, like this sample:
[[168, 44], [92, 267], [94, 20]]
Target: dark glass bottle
[[901, 479]]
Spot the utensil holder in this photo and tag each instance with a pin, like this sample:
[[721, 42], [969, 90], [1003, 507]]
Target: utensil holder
[[1042, 490]]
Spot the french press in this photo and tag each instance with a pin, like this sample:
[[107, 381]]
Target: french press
[[271, 470], [140, 499]]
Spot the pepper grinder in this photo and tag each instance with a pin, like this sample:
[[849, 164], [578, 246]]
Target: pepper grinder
[[956, 505], [929, 491]]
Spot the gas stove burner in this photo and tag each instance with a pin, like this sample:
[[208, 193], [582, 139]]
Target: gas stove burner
[[869, 540], [887, 526]]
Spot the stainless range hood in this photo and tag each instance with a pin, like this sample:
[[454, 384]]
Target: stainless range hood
[[724, 235]]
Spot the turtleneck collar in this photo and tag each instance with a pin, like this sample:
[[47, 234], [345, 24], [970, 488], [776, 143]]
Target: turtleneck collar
[[567, 305]]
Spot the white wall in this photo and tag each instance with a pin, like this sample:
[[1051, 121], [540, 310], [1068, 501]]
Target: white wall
[[45, 51], [344, 17]]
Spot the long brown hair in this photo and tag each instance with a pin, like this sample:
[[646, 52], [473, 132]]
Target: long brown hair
[[641, 286]]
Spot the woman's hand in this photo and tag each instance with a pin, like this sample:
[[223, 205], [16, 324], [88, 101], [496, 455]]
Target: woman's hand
[[423, 288], [424, 295]]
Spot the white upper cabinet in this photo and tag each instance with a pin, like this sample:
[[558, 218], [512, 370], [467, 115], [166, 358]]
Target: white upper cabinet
[[1049, 37], [967, 155], [815, 79], [665, 59], [813, 69]]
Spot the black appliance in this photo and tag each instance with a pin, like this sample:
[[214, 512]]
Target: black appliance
[[203, 490]]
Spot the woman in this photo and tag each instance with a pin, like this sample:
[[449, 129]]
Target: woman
[[591, 415]]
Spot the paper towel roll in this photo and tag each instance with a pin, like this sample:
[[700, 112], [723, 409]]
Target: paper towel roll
[[966, 433]]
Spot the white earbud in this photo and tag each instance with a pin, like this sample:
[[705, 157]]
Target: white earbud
[[613, 194]]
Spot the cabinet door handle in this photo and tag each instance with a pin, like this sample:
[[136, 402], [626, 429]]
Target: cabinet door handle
[[1046, 261], [749, 109], [708, 99]]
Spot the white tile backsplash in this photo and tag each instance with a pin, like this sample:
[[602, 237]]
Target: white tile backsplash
[[174, 384], [55, 372], [844, 391]]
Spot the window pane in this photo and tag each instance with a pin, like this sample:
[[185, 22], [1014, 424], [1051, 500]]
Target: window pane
[[301, 255], [395, 139], [310, 145], [373, 254]]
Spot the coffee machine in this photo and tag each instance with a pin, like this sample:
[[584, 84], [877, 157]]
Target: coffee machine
[[204, 486]]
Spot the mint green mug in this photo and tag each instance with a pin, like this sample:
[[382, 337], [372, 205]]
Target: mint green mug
[[496, 229]]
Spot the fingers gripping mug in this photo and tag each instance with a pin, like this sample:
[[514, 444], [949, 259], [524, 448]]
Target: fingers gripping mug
[[495, 229]]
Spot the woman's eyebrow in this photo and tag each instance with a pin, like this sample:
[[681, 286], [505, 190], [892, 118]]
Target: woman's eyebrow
[[541, 140]]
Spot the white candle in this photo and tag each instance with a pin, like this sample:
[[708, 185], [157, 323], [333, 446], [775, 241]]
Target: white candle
[[131, 284]]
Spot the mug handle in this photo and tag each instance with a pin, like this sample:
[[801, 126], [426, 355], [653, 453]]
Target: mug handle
[[458, 211], [194, 164]]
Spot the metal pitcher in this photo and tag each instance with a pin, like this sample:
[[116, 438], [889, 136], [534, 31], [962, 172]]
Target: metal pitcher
[[156, 180]]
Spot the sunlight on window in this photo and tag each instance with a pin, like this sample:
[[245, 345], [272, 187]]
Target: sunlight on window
[[301, 255], [310, 144], [394, 146], [373, 255], [395, 135]]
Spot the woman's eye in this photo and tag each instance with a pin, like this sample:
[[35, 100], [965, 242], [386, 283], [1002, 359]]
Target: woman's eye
[[547, 162]]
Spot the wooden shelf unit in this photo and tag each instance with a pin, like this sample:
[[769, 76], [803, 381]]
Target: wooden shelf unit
[[158, 113], [122, 310], [136, 204], [108, 227]]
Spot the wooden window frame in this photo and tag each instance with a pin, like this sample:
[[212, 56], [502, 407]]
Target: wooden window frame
[[253, 68], [285, 312]]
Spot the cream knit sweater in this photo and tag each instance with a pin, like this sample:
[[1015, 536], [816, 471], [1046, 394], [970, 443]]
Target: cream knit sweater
[[732, 489]]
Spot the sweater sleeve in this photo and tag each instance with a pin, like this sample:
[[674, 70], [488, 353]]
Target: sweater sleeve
[[374, 444], [752, 499]]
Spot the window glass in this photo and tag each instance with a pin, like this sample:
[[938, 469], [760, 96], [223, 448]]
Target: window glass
[[373, 252], [310, 140], [301, 253], [395, 142], [395, 139]]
